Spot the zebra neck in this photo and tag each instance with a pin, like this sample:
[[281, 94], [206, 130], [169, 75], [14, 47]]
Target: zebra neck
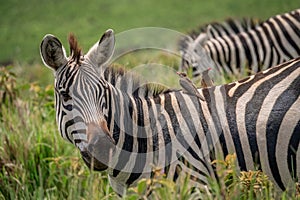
[[140, 124]]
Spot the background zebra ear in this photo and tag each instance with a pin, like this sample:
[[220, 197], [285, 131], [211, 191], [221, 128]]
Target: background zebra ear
[[52, 52], [101, 52]]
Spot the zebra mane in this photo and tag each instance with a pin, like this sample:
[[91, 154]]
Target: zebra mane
[[229, 26], [131, 83], [75, 50], [244, 24]]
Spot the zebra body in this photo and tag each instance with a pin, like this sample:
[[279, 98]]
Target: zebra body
[[131, 134], [272, 42]]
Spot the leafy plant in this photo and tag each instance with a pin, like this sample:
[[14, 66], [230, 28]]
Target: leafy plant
[[8, 88]]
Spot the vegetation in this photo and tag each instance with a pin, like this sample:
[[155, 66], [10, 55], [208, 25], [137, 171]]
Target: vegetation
[[35, 162]]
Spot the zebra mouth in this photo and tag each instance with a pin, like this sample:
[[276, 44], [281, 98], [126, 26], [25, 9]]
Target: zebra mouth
[[93, 163]]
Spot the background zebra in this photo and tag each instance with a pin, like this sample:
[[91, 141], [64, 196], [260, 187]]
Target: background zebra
[[256, 46], [199, 36], [130, 135]]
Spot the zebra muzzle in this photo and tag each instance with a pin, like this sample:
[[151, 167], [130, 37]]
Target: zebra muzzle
[[100, 147]]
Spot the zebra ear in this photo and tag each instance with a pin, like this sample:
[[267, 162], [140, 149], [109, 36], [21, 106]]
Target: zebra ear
[[52, 52], [101, 52]]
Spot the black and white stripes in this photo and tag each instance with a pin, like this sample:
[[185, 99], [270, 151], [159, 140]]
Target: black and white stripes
[[257, 118], [269, 43]]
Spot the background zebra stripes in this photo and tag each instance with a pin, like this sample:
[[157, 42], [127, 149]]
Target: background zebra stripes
[[251, 49]]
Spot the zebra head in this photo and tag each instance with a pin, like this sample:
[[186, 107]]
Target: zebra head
[[81, 95]]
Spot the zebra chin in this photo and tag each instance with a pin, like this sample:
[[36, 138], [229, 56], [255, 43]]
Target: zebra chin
[[92, 163]]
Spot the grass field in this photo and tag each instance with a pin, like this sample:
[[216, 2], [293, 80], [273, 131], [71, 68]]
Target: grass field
[[23, 24], [35, 162]]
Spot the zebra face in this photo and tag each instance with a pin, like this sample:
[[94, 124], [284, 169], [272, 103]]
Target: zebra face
[[81, 95]]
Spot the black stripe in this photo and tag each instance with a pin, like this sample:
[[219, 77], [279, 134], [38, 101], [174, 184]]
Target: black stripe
[[216, 28], [70, 123], [292, 152], [292, 25], [212, 32], [295, 15], [217, 54], [231, 118], [206, 131], [279, 57], [224, 29], [178, 170], [127, 145], [228, 58], [78, 131], [287, 36], [184, 110], [109, 101], [153, 122], [166, 135], [205, 126], [233, 26], [172, 115], [278, 39], [247, 50], [272, 46], [223, 48], [116, 128], [211, 104], [69, 77], [61, 76], [262, 59], [281, 106], [237, 52], [67, 107], [254, 47], [140, 160]]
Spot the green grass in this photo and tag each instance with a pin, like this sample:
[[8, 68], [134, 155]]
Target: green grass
[[24, 23]]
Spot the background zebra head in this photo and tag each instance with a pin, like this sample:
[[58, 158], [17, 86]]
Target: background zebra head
[[81, 94]]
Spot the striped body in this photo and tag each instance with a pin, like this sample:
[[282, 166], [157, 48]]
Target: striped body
[[272, 42], [257, 118]]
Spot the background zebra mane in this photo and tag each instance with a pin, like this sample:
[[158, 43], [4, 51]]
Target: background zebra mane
[[244, 23], [230, 23], [131, 83], [75, 50]]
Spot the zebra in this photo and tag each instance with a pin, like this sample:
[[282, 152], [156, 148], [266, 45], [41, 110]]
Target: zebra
[[267, 44], [212, 30], [131, 134]]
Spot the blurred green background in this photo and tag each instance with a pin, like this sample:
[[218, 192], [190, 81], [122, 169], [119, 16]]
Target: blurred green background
[[24, 23]]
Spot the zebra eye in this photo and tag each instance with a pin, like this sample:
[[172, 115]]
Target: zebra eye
[[65, 95]]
